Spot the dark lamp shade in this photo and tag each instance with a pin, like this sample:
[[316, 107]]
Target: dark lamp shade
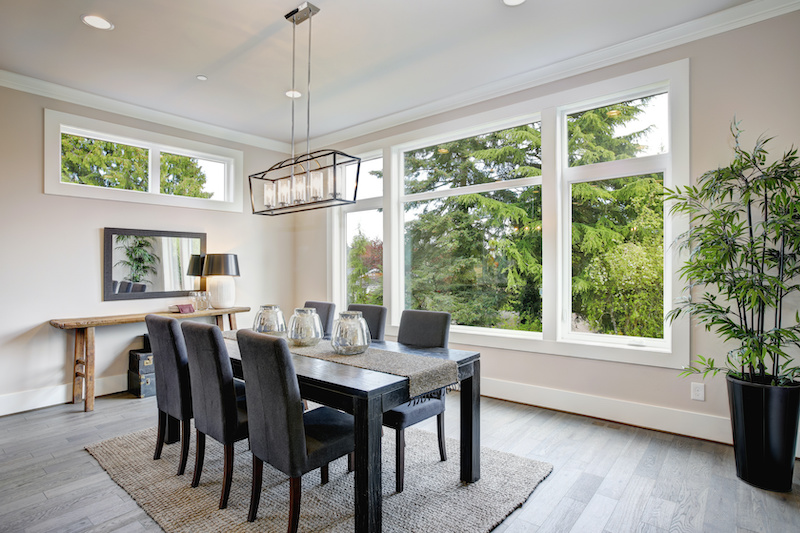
[[221, 265], [195, 266]]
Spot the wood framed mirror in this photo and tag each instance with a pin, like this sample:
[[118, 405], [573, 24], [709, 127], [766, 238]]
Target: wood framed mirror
[[139, 263]]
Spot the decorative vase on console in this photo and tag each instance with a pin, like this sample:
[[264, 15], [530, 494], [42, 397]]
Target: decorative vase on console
[[305, 327], [269, 320]]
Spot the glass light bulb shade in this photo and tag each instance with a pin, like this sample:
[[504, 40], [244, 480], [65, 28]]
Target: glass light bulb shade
[[350, 334], [269, 320], [305, 327]]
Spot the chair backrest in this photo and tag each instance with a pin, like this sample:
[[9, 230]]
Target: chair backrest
[[138, 287], [114, 286], [429, 329], [326, 311], [125, 286], [375, 315], [211, 376], [274, 404], [173, 389]]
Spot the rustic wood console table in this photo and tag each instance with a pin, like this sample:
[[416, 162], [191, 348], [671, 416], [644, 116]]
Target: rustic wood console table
[[83, 373]]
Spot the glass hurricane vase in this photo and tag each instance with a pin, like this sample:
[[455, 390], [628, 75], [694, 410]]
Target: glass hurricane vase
[[350, 333], [305, 327], [269, 320]]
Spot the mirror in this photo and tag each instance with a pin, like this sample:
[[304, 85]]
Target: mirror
[[140, 263]]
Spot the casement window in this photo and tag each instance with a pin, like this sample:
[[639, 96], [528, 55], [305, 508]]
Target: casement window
[[96, 159], [544, 231]]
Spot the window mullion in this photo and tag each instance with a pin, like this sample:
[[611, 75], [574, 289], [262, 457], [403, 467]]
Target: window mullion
[[154, 171], [551, 231]]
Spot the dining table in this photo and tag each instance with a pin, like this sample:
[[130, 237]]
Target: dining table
[[367, 394]]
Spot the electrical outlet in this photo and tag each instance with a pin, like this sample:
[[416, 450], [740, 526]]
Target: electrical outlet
[[699, 392]]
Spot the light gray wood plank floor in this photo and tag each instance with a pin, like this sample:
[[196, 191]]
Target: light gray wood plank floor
[[607, 477]]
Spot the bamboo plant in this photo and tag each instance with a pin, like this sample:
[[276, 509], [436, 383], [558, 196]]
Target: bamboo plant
[[743, 262]]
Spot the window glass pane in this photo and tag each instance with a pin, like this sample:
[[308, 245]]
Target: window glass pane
[[370, 179], [633, 128], [502, 155], [618, 256], [105, 164], [189, 176], [478, 256], [364, 231]]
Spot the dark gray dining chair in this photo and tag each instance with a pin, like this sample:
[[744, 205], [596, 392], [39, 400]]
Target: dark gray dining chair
[[139, 287], [326, 312], [281, 434], [173, 389], [375, 315], [218, 399], [424, 329], [125, 286]]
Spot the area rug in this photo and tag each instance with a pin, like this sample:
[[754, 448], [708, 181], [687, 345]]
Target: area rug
[[434, 499]]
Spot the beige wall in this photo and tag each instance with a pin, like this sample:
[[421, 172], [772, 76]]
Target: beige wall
[[52, 253], [752, 73]]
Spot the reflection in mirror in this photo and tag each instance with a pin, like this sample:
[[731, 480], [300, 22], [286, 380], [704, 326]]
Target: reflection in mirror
[[149, 263]]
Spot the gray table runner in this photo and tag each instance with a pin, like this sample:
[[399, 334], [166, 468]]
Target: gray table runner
[[424, 373]]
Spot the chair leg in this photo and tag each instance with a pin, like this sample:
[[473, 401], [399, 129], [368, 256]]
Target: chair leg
[[351, 461], [255, 490], [227, 476], [199, 456], [162, 432], [400, 460], [295, 485], [440, 431], [324, 473], [186, 436]]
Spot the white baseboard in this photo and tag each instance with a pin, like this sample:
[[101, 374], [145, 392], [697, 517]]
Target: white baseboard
[[702, 426], [18, 402]]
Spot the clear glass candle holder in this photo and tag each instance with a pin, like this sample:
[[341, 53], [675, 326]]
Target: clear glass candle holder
[[269, 320], [350, 334], [305, 327]]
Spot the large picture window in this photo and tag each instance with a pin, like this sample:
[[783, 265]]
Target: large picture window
[[95, 159], [546, 233]]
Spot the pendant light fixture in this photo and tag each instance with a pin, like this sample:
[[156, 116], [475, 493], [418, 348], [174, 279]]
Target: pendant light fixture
[[311, 180]]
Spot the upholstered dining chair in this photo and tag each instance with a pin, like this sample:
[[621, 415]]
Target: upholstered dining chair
[[125, 286], [139, 287], [375, 315], [173, 390], [428, 329], [292, 441], [326, 312], [218, 399]]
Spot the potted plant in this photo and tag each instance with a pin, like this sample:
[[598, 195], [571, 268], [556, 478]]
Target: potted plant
[[744, 272], [140, 256]]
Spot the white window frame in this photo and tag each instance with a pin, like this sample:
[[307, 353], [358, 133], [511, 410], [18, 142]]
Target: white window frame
[[673, 352], [57, 122]]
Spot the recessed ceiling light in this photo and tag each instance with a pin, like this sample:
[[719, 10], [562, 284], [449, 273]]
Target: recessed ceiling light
[[513, 2], [293, 94], [202, 77], [97, 22]]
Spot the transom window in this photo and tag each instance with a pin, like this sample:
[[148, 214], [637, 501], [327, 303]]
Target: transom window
[[95, 159]]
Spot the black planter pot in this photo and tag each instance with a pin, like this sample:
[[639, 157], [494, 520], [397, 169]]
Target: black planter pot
[[764, 419]]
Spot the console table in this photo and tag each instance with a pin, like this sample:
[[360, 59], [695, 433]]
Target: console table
[[83, 373]]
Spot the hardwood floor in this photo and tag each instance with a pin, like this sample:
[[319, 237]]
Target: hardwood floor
[[607, 477]]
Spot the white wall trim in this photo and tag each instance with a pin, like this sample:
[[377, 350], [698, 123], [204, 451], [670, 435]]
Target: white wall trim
[[703, 426], [57, 394], [74, 96]]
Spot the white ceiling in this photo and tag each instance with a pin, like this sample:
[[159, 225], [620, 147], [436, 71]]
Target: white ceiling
[[374, 63]]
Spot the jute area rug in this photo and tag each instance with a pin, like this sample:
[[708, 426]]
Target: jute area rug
[[434, 499]]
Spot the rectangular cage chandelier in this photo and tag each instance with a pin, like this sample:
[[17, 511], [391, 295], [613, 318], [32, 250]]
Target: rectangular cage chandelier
[[313, 180]]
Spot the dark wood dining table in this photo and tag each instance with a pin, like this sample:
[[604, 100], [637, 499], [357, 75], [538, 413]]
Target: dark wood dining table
[[367, 394]]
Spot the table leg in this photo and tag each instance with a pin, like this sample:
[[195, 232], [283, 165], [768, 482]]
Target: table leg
[[89, 370], [79, 361], [232, 320], [220, 321], [368, 500], [471, 425]]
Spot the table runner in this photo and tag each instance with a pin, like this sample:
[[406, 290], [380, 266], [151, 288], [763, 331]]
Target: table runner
[[424, 374]]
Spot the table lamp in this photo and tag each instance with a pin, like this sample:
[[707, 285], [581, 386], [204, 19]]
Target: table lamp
[[195, 268], [220, 269]]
